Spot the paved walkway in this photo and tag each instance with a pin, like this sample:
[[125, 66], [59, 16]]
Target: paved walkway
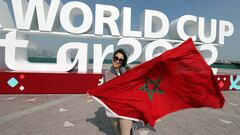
[[78, 115]]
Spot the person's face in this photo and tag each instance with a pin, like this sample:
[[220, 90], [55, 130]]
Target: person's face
[[117, 60]]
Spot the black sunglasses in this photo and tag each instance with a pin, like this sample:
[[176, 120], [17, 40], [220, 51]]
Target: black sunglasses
[[115, 58]]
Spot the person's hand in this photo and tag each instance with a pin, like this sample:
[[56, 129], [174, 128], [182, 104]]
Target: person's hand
[[89, 97]]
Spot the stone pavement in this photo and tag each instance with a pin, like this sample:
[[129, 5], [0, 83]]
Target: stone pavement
[[78, 115]]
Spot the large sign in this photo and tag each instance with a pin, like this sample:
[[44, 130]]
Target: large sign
[[47, 83], [56, 18]]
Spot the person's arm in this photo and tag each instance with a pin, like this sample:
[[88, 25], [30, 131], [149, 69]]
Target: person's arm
[[127, 67], [107, 76]]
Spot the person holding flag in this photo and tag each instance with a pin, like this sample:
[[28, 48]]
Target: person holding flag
[[119, 64], [177, 79]]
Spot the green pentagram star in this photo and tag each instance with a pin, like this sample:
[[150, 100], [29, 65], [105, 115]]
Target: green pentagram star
[[155, 89]]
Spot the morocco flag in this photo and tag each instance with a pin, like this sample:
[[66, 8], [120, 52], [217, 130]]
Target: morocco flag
[[177, 79]]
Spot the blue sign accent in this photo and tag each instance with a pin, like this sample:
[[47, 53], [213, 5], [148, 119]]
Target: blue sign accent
[[12, 82], [234, 83]]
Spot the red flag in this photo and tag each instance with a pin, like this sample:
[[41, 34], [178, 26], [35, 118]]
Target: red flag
[[177, 79]]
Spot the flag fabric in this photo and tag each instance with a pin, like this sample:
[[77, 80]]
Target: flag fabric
[[178, 79]]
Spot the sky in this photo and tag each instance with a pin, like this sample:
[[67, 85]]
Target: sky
[[217, 9], [209, 9]]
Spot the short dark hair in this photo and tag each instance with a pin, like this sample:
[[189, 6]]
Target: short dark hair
[[123, 52]]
